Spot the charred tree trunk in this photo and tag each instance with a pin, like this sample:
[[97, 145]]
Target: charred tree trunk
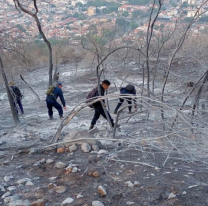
[[10, 98]]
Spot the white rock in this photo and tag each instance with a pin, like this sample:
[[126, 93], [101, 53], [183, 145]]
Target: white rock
[[20, 203], [129, 184], [29, 183], [79, 196], [43, 161], [67, 201], [7, 178], [60, 189], [49, 161], [97, 203], [184, 193], [171, 196], [95, 147], [102, 151], [6, 195], [72, 148], [11, 188], [22, 181], [85, 147], [2, 188], [11, 198], [74, 170], [136, 183], [130, 203], [60, 165], [52, 178]]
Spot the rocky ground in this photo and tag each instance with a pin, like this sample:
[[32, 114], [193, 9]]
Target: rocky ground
[[90, 172]]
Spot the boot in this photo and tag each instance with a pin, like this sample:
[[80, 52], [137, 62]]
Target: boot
[[61, 117], [50, 118], [91, 126]]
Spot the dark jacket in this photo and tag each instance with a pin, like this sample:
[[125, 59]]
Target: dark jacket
[[123, 90], [57, 92], [98, 104], [16, 93]]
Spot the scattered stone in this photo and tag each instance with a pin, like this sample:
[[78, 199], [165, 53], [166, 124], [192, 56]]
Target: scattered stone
[[6, 195], [43, 161], [171, 196], [130, 203], [129, 184], [36, 151], [68, 170], [61, 150], [11, 198], [60, 189], [95, 174], [29, 183], [79, 196], [137, 184], [66, 149], [72, 148], [102, 191], [21, 203], [2, 142], [74, 170], [97, 203], [184, 193], [192, 186], [11, 188], [49, 161], [7, 178], [2, 188], [95, 147], [67, 201], [24, 180], [60, 165], [39, 202], [52, 178], [86, 147], [51, 186], [102, 151]]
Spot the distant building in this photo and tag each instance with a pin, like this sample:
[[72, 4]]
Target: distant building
[[91, 11], [189, 1]]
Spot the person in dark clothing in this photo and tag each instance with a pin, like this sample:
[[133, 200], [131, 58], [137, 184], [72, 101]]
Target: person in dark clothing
[[51, 101], [98, 106], [128, 90], [17, 97]]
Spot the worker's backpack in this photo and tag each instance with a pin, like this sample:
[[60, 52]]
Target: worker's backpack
[[91, 96], [50, 90]]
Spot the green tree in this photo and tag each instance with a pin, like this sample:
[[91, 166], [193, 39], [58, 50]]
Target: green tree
[[125, 14]]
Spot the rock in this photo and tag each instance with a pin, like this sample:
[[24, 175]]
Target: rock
[[60, 189], [130, 203], [95, 174], [6, 195], [129, 184], [137, 184], [97, 203], [85, 147], [51, 185], [22, 181], [2, 142], [79, 196], [21, 203], [43, 161], [102, 151], [49, 161], [67, 201], [11, 198], [39, 202], [95, 147], [29, 183], [11, 188], [184, 193], [102, 192], [74, 170], [52, 178], [7, 178], [60, 165], [171, 196], [61, 150], [36, 151], [2, 188], [72, 148], [79, 135], [68, 170]]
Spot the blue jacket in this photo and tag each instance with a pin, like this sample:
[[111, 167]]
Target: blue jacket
[[57, 92], [124, 91]]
